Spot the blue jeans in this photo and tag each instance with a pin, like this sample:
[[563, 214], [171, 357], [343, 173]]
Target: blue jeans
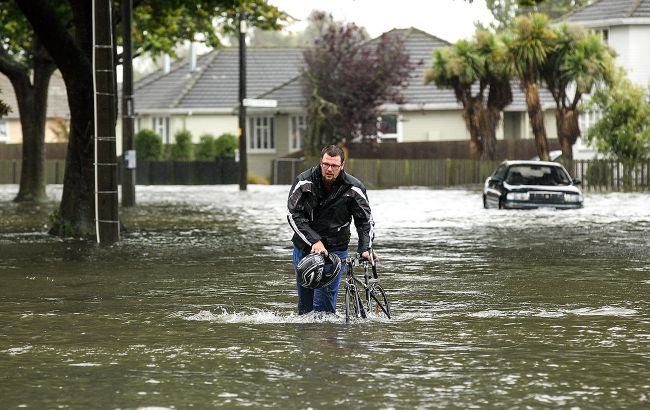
[[321, 299]]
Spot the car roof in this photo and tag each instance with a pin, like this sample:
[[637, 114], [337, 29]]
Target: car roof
[[531, 162]]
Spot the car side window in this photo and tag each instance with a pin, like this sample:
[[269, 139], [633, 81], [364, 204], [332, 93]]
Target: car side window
[[500, 172]]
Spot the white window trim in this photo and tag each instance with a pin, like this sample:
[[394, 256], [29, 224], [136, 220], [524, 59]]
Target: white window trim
[[300, 119], [251, 131], [399, 135], [164, 129]]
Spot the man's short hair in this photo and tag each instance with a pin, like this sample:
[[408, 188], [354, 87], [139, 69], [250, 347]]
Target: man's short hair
[[333, 151]]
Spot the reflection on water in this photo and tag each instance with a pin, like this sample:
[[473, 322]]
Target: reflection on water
[[195, 307]]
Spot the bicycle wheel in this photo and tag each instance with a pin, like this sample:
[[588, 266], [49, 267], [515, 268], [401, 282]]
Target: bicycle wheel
[[353, 307], [378, 302]]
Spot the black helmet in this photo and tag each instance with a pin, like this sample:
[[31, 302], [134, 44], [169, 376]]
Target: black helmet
[[317, 270]]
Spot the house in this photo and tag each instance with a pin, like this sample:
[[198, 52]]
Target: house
[[203, 97], [58, 112], [625, 26]]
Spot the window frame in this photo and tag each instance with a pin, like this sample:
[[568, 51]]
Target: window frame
[[260, 134], [160, 125], [297, 131]]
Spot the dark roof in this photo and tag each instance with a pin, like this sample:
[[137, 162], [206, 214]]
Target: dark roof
[[57, 99], [608, 10], [275, 73], [420, 46], [214, 85]]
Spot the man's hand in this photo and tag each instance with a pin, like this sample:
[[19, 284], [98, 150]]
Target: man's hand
[[366, 255], [318, 247]]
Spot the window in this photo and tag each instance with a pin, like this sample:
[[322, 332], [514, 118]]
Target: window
[[161, 126], [4, 134], [588, 119], [388, 127], [261, 134], [297, 130]]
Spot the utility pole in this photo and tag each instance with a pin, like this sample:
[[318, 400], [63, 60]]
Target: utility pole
[[128, 149], [106, 199], [243, 140]]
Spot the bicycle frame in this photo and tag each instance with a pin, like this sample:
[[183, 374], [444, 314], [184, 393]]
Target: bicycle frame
[[374, 302]]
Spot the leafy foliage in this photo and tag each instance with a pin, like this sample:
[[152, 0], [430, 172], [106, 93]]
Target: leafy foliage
[[624, 129], [579, 62], [148, 145], [348, 78], [182, 149], [159, 25], [205, 149], [225, 146], [4, 108], [505, 11], [476, 71]]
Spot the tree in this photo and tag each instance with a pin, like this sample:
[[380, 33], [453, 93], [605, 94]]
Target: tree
[[205, 149], [65, 30], [529, 42], [225, 146], [505, 11], [182, 149], [624, 128], [578, 63], [27, 64], [148, 145], [348, 79], [476, 71]]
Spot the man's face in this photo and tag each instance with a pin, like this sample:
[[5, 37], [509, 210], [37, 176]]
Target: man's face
[[331, 167]]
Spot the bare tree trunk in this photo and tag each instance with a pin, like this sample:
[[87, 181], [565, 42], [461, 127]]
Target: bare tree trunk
[[536, 116], [472, 117], [72, 56], [568, 130], [32, 102], [30, 84]]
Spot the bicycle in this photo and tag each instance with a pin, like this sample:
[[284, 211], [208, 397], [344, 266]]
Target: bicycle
[[375, 302]]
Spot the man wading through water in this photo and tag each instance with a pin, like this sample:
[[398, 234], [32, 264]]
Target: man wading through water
[[322, 203]]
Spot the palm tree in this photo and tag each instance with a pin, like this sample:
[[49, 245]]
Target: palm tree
[[580, 62], [475, 70], [496, 74], [529, 42], [459, 67]]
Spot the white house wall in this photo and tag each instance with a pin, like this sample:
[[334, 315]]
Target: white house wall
[[639, 57], [433, 126], [620, 40]]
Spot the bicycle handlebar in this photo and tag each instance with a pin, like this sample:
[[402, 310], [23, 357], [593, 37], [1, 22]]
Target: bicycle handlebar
[[358, 260]]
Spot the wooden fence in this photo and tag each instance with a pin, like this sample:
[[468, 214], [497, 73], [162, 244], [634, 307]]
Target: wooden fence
[[225, 171], [596, 175]]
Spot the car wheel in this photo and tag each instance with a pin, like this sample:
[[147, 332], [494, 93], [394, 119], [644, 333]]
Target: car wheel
[[485, 205]]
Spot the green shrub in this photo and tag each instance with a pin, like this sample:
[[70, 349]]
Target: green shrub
[[206, 148], [148, 145], [182, 150], [226, 145]]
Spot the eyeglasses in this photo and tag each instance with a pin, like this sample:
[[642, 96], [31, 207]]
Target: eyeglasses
[[333, 166]]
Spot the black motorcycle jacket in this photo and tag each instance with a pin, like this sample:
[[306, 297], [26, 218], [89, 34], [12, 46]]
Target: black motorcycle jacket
[[315, 215]]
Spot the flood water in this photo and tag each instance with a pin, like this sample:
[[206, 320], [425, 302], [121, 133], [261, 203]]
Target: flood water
[[195, 307]]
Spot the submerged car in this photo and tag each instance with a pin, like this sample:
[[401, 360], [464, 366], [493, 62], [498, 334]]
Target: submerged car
[[531, 184]]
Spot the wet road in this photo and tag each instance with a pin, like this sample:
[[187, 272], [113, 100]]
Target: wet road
[[195, 307]]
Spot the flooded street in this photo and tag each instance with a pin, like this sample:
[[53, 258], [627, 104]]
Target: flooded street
[[195, 307]]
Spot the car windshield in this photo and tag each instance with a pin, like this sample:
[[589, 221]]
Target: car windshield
[[537, 175]]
